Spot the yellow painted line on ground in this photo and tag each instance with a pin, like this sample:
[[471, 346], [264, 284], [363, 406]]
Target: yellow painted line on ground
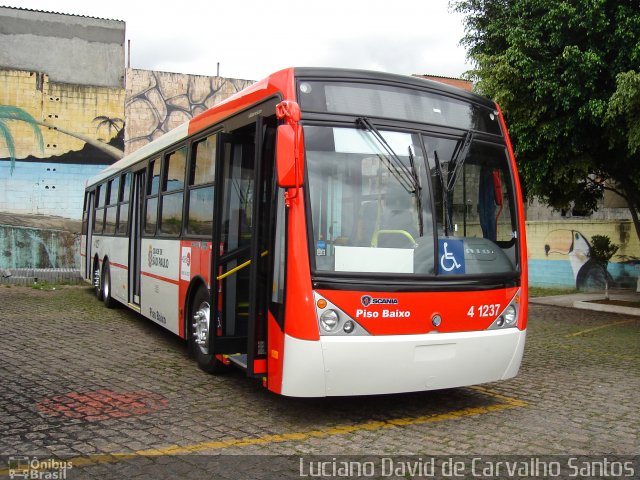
[[582, 332], [507, 403], [582, 350]]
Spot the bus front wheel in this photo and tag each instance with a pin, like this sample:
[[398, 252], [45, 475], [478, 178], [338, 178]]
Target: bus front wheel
[[199, 327]]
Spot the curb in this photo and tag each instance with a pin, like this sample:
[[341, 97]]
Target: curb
[[599, 307]]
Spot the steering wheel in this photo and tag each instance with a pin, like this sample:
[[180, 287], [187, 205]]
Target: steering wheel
[[402, 233]]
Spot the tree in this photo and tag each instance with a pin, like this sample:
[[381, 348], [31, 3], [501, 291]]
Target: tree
[[601, 251], [566, 74], [8, 114]]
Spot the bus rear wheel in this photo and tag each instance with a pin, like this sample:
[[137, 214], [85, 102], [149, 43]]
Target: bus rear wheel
[[199, 328], [108, 300]]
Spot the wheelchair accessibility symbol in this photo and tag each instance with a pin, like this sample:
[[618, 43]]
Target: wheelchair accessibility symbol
[[452, 256]]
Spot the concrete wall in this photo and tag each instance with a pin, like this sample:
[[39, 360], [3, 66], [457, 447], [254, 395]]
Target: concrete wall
[[69, 48], [49, 178], [24, 247], [42, 188]]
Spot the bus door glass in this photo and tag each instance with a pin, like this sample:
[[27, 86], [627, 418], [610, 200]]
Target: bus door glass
[[243, 267], [135, 237], [232, 242], [87, 230]]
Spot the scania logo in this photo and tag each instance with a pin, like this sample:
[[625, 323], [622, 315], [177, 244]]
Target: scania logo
[[368, 300]]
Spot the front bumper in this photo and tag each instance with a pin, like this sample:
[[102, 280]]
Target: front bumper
[[367, 365]]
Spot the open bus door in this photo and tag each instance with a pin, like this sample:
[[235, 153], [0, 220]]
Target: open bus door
[[241, 268], [87, 225], [135, 237]]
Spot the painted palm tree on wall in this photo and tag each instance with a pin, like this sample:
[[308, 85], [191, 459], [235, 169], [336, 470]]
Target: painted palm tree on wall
[[109, 123], [8, 114]]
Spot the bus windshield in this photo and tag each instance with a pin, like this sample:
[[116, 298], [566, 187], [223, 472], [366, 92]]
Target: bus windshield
[[370, 205], [387, 205]]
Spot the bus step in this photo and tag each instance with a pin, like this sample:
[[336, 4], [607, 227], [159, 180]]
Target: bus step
[[239, 359]]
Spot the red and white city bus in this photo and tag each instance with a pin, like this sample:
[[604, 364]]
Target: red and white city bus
[[329, 231]]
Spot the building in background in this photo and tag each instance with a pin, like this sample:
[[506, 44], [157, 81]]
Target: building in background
[[68, 109], [466, 85], [61, 105]]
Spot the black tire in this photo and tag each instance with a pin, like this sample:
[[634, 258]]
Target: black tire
[[97, 275], [105, 284], [206, 361]]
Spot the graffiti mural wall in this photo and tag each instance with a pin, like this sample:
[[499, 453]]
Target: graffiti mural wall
[[559, 254], [52, 137], [159, 101]]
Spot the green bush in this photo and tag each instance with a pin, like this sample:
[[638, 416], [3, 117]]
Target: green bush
[[602, 249]]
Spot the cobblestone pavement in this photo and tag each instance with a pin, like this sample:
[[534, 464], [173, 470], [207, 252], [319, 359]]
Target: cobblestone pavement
[[111, 392]]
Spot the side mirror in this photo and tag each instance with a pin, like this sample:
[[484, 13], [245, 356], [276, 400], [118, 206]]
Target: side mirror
[[288, 166]]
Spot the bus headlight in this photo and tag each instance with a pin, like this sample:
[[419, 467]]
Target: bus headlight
[[329, 320], [509, 315]]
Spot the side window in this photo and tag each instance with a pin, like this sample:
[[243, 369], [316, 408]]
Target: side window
[[201, 187], [85, 214], [151, 203], [173, 192], [279, 266], [111, 210], [101, 195], [114, 187], [123, 203], [98, 218]]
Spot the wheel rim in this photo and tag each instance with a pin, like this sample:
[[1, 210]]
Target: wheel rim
[[201, 327]]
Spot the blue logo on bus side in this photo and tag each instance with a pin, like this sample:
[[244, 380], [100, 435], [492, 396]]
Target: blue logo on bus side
[[451, 254]]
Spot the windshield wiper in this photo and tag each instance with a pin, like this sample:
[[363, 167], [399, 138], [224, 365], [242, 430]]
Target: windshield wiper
[[393, 163], [458, 158], [418, 193], [455, 164]]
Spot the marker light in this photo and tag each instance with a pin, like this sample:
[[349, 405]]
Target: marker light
[[436, 320], [305, 87], [329, 320], [321, 303], [349, 326]]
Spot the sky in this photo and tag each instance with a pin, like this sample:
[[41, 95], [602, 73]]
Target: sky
[[251, 39]]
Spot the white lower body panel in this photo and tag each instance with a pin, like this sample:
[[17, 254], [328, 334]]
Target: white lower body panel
[[367, 365]]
